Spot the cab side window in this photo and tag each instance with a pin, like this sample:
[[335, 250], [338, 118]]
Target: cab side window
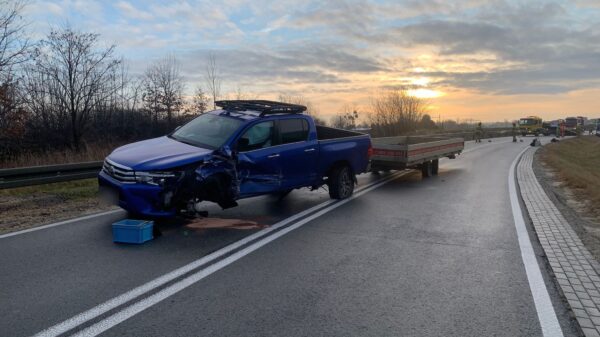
[[257, 137], [293, 130]]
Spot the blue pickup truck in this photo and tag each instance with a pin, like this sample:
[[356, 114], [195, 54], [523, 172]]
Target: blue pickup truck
[[247, 148]]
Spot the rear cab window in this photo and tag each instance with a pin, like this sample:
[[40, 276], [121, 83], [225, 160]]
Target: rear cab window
[[293, 130]]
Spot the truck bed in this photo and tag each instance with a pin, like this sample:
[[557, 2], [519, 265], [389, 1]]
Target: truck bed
[[337, 145], [410, 151]]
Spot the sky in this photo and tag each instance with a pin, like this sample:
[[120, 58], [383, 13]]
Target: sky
[[470, 59]]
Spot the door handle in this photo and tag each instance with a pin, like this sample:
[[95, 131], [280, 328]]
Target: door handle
[[273, 155], [309, 150]]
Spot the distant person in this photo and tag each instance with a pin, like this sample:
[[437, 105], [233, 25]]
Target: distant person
[[514, 132], [478, 133]]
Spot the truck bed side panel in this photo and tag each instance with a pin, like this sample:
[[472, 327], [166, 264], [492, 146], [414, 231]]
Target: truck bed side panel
[[351, 149]]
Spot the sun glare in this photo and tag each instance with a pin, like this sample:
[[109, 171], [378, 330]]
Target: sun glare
[[425, 93], [422, 81]]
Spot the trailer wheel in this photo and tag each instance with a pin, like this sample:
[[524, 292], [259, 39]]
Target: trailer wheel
[[426, 169], [435, 166], [341, 183]]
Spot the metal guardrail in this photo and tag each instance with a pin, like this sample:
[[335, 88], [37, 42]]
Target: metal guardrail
[[37, 175]]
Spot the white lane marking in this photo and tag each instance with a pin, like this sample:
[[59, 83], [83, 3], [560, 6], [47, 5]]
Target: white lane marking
[[87, 217], [541, 298], [111, 304], [173, 289]]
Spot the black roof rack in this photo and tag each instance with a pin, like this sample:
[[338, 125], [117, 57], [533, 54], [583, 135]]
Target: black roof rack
[[265, 107]]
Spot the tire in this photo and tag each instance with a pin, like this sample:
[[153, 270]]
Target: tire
[[426, 169], [435, 166], [341, 183]]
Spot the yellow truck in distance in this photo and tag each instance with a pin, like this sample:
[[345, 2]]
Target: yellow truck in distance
[[531, 125]]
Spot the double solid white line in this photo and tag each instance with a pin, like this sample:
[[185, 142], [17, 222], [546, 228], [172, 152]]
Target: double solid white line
[[127, 312]]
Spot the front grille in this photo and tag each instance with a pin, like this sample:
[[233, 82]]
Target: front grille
[[118, 172]]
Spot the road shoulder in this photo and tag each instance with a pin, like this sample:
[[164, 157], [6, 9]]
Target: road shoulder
[[572, 264]]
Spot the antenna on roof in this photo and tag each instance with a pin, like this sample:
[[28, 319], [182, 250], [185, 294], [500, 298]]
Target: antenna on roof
[[264, 107]]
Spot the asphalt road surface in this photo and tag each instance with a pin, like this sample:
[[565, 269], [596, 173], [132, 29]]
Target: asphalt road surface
[[405, 257]]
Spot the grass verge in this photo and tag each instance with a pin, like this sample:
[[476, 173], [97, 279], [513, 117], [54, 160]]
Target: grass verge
[[26, 207], [576, 163]]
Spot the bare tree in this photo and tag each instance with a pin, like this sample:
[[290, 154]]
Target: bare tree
[[71, 75], [395, 112], [14, 46], [213, 79], [163, 88], [14, 50], [311, 109], [199, 101]]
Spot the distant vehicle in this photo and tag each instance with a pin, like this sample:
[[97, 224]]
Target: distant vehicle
[[591, 124], [531, 125], [420, 152], [247, 148], [571, 126], [552, 127]]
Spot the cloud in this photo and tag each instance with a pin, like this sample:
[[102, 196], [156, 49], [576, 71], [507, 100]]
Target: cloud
[[548, 54], [498, 47], [132, 12], [295, 64]]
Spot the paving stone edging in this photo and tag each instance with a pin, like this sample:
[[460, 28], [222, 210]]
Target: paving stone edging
[[572, 264]]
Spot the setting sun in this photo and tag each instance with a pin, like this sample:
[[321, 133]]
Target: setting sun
[[425, 93]]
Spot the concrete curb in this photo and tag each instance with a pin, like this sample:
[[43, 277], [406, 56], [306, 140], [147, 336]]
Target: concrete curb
[[571, 262]]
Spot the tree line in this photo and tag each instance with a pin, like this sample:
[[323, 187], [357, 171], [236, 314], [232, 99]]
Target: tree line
[[67, 90]]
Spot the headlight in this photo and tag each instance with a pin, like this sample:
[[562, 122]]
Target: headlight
[[156, 178]]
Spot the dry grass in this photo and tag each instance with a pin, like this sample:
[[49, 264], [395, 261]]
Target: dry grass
[[92, 152], [69, 190], [31, 206], [576, 162]]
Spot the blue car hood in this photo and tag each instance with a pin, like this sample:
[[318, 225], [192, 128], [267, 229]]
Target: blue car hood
[[157, 154]]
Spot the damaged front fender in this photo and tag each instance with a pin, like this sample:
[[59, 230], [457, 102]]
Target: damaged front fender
[[217, 179]]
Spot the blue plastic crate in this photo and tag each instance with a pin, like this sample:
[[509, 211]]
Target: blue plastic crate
[[132, 231]]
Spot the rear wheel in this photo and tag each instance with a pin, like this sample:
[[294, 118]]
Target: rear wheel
[[341, 183], [426, 169], [435, 166]]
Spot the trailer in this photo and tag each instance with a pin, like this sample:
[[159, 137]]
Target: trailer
[[413, 152]]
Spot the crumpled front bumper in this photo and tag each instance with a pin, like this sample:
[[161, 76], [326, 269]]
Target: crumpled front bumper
[[142, 199]]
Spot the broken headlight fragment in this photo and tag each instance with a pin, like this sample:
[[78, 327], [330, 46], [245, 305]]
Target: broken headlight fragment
[[156, 178]]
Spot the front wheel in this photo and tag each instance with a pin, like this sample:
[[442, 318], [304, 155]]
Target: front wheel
[[341, 183]]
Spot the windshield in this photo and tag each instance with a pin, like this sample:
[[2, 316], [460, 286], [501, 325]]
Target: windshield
[[527, 121], [208, 130], [571, 121]]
